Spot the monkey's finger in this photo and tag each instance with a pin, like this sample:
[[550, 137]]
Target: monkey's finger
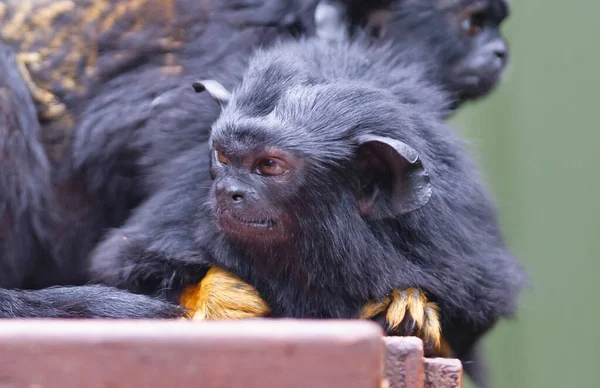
[[416, 305], [374, 308], [397, 309], [431, 331]]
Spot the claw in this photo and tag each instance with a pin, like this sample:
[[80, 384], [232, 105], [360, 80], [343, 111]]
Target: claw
[[374, 308], [431, 328], [397, 309], [416, 303], [409, 312], [220, 295]]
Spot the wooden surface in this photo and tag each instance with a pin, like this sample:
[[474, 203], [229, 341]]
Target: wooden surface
[[228, 354], [404, 365], [58, 354], [443, 372]]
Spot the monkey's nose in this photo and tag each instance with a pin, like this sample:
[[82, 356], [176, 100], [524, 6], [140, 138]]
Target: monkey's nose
[[499, 49], [500, 53]]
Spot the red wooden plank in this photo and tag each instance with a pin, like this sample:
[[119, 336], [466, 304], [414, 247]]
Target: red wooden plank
[[249, 354]]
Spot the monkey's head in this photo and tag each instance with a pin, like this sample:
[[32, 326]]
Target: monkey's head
[[480, 52], [293, 163], [462, 37]]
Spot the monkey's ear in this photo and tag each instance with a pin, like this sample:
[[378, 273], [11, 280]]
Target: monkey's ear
[[394, 181], [215, 89]]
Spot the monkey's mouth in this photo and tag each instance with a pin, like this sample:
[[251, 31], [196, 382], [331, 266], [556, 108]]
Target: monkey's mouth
[[254, 223], [475, 83], [471, 86], [252, 228]]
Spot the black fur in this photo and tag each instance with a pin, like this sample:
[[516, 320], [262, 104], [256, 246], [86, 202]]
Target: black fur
[[28, 217], [84, 302], [53, 210], [129, 126], [51, 213], [314, 100], [26, 199], [294, 14], [127, 118], [126, 131]]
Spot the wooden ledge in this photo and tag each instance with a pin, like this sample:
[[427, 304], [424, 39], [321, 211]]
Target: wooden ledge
[[229, 354], [261, 354]]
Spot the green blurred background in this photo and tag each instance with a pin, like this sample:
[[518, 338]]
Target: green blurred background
[[538, 140]]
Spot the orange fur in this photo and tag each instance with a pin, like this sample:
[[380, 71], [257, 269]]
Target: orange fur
[[431, 328], [425, 316], [397, 309], [416, 305], [372, 308], [443, 350], [221, 295]]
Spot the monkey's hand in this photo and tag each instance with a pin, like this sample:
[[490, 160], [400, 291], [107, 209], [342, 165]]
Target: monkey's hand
[[408, 313], [220, 296]]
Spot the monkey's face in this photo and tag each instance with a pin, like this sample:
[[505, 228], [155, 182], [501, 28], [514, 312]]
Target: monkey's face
[[252, 186], [483, 51], [266, 193], [462, 37], [304, 168]]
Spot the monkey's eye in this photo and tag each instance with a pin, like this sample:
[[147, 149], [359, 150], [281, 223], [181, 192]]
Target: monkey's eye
[[221, 157], [271, 167], [473, 24]]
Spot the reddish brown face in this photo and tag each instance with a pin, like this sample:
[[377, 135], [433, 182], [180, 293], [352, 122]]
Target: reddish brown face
[[251, 193]]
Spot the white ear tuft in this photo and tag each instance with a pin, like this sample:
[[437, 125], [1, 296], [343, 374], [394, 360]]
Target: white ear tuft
[[330, 20], [215, 89]]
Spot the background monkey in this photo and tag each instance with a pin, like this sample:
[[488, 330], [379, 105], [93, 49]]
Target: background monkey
[[463, 37]]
